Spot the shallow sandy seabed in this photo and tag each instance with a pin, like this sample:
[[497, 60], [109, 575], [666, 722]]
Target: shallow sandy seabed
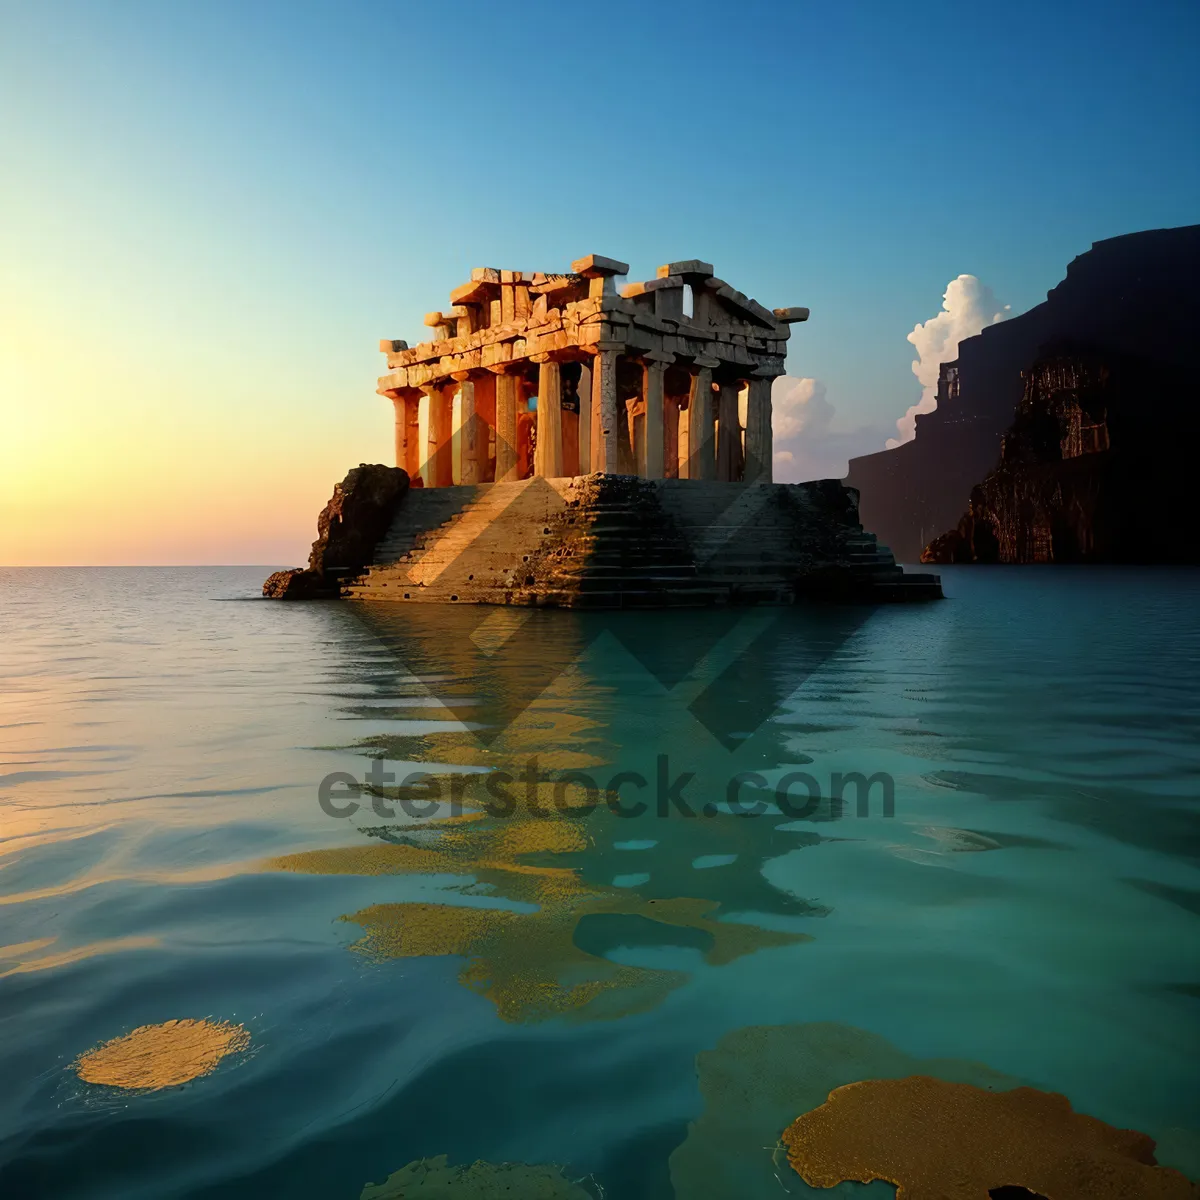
[[953, 1141], [432, 1179]]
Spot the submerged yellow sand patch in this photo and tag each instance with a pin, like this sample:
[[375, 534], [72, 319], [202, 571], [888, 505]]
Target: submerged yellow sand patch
[[528, 964], [757, 1078], [161, 1056], [435, 1179], [953, 1141]]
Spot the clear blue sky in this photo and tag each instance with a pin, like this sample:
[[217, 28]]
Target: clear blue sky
[[225, 205]]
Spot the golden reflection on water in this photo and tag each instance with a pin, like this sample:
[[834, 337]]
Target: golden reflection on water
[[930, 1137], [161, 1056], [43, 962], [530, 964], [526, 963]]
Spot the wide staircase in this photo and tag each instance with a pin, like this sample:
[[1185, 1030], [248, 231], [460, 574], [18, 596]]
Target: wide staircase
[[601, 541]]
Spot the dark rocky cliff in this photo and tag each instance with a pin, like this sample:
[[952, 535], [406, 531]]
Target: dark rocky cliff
[[1094, 468], [1130, 299]]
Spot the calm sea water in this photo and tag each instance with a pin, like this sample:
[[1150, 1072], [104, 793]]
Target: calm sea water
[[534, 986]]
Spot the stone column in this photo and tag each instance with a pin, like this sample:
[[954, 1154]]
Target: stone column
[[415, 451], [685, 416], [729, 434], [585, 419], [441, 428], [758, 432], [653, 457], [429, 399], [468, 434], [547, 457], [633, 450], [702, 451], [597, 433], [671, 437], [604, 395], [485, 424], [506, 427], [445, 449], [400, 406], [526, 428]]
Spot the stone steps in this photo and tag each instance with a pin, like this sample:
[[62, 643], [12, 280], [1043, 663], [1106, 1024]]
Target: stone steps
[[421, 510], [622, 542], [630, 597]]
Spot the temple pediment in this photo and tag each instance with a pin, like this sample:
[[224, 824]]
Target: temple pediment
[[504, 317]]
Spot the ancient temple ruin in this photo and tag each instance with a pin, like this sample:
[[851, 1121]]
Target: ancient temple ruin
[[569, 442], [558, 375]]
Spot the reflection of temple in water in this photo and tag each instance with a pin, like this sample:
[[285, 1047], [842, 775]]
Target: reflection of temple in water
[[591, 872]]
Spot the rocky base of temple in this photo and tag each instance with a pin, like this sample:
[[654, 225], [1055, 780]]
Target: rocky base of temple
[[616, 541], [349, 528]]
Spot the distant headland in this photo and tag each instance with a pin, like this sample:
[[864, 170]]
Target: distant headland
[[1066, 434]]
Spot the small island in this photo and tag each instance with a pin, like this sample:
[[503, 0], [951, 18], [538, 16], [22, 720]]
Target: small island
[[561, 442]]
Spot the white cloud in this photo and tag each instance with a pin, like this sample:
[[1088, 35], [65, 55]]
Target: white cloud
[[798, 406], [968, 306], [808, 443]]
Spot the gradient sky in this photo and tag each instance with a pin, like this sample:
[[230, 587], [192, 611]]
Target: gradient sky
[[211, 213]]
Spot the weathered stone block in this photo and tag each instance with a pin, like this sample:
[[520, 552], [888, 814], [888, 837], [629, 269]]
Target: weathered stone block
[[597, 264], [689, 266], [478, 291], [601, 285]]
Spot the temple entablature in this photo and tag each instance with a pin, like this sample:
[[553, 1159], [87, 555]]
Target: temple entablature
[[570, 373]]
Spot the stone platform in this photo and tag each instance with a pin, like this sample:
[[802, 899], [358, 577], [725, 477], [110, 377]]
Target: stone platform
[[619, 541]]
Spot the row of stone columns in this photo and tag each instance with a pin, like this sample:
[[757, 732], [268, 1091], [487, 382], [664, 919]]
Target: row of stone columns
[[702, 440]]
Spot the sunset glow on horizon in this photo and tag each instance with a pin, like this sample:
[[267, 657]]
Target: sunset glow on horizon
[[212, 216]]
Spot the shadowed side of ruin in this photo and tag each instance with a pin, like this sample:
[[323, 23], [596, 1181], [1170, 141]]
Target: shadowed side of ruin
[[611, 541]]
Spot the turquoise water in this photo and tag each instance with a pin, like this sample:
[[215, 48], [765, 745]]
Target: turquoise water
[[535, 988]]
